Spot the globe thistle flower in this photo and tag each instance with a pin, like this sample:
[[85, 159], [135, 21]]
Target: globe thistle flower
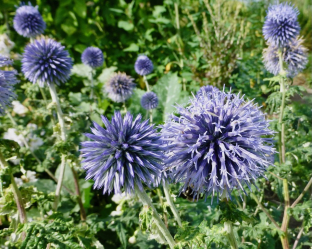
[[7, 81], [204, 90], [92, 57], [119, 87], [215, 144], [281, 24], [149, 100], [28, 22], [46, 61], [143, 65], [294, 55], [124, 154]]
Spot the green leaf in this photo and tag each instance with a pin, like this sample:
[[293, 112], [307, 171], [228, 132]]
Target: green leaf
[[106, 74], [81, 70], [69, 29], [168, 91], [132, 48], [125, 25], [80, 8]]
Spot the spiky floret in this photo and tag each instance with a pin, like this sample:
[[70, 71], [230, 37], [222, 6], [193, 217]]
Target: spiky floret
[[294, 55], [281, 24], [204, 90], [119, 87], [92, 57], [216, 144], [28, 22], [46, 61], [143, 65], [7, 81], [149, 100], [124, 154]]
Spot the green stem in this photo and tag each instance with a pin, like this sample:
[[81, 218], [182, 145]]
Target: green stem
[[17, 194], [163, 206], [171, 204], [285, 222], [63, 162], [302, 194], [228, 227], [92, 85], [146, 83], [159, 223]]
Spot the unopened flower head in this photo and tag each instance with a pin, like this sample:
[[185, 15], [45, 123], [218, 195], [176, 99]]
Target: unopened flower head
[[149, 100], [294, 55], [92, 57], [119, 87], [46, 61], [216, 144], [126, 153], [143, 65], [206, 90], [281, 24], [7, 81], [28, 22]]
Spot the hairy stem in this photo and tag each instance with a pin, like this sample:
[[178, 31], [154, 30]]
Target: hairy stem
[[302, 194], [92, 85], [284, 237], [170, 202], [265, 211], [146, 83], [230, 234], [63, 162], [83, 215], [16, 192], [298, 237], [163, 206], [159, 223]]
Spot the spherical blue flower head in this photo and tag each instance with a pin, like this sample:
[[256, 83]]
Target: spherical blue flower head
[[46, 61], [7, 81], [143, 65], [28, 22], [119, 87], [126, 153], [149, 100], [92, 57], [204, 90], [215, 144], [294, 55], [281, 24]]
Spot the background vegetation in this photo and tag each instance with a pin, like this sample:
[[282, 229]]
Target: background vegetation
[[190, 46]]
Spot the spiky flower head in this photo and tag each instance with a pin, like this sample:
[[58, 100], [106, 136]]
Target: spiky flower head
[[46, 61], [92, 57], [281, 24], [204, 90], [119, 87], [294, 55], [143, 65], [28, 22], [124, 154], [7, 81], [215, 144], [149, 100]]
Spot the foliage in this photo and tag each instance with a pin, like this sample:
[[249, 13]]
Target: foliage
[[175, 35]]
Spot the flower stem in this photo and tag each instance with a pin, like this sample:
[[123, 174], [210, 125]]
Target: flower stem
[[92, 84], [16, 192], [162, 205], [170, 202], [230, 234], [63, 163], [160, 224], [285, 222], [146, 83]]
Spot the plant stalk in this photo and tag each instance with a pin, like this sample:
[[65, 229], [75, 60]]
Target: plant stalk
[[160, 224], [230, 234], [17, 194], [63, 163], [170, 202]]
